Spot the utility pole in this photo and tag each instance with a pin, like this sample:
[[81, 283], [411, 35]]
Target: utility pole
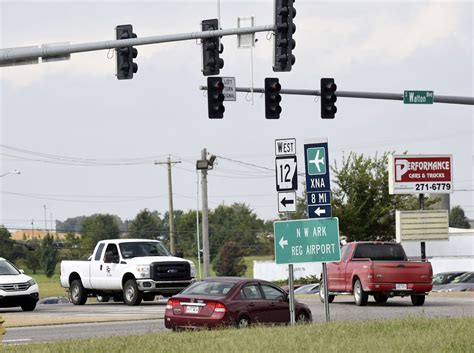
[[170, 202], [45, 220], [205, 217], [203, 165]]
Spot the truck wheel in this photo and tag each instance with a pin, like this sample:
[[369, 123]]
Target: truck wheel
[[78, 293], [321, 294], [418, 300], [380, 298], [131, 295], [28, 306], [360, 296]]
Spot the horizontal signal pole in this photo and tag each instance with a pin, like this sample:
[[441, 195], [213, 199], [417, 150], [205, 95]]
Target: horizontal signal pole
[[25, 55], [364, 95]]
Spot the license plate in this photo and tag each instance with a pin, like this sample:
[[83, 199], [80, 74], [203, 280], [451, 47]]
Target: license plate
[[400, 286], [192, 309]]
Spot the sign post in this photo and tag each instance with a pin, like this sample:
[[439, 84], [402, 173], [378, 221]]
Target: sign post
[[287, 180]]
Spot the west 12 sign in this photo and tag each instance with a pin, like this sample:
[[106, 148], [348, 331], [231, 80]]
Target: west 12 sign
[[318, 186]]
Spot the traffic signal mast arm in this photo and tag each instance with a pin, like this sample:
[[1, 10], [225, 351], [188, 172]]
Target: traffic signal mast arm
[[356, 94], [26, 55]]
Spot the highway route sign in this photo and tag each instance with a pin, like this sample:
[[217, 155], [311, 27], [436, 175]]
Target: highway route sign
[[286, 175]]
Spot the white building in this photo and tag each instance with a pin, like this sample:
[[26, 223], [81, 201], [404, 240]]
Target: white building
[[454, 254]]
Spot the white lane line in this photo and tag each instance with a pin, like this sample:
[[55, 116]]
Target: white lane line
[[17, 340]]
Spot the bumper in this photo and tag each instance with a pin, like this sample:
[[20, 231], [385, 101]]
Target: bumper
[[392, 290], [17, 300], [193, 322], [163, 287]]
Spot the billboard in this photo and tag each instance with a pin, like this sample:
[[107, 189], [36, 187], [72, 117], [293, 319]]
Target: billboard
[[420, 174], [421, 225]]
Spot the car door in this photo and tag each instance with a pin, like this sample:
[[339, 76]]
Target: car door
[[108, 269], [255, 304], [277, 305], [96, 267]]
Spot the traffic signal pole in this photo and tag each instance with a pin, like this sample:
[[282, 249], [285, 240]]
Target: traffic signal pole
[[365, 95], [30, 55]]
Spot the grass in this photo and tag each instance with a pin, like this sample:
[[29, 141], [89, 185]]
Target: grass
[[408, 335]]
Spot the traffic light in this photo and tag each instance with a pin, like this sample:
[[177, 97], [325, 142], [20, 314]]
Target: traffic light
[[215, 97], [328, 98], [211, 63], [284, 43], [125, 65], [272, 98]]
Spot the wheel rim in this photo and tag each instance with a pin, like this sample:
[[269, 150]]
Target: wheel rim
[[130, 293], [357, 292], [75, 293], [302, 318], [243, 322]]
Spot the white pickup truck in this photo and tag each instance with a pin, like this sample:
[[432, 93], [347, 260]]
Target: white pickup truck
[[131, 270]]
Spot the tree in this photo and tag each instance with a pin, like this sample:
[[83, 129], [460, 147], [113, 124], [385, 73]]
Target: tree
[[98, 227], [237, 223], [49, 256], [6, 244], [33, 255], [457, 218], [146, 225], [361, 201], [230, 261]]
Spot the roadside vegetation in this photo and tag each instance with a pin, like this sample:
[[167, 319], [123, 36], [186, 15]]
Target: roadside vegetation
[[410, 335]]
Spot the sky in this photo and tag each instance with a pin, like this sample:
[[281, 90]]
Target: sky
[[86, 142]]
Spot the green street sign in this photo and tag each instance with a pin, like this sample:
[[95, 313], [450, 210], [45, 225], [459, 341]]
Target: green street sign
[[418, 97], [307, 240]]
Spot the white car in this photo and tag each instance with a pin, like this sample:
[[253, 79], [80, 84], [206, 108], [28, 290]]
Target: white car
[[16, 288]]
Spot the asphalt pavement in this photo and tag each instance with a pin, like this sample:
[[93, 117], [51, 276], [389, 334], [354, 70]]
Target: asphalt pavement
[[109, 319]]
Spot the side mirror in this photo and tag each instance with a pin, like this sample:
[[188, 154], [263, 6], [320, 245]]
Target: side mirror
[[179, 254], [21, 271]]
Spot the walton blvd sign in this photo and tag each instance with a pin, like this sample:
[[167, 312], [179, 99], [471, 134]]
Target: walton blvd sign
[[307, 240]]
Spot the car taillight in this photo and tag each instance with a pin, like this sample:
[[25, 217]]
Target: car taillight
[[220, 308], [172, 303]]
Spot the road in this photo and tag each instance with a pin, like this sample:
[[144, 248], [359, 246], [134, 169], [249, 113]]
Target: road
[[148, 317]]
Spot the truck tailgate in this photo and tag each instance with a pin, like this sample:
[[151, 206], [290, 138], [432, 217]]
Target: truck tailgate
[[401, 272]]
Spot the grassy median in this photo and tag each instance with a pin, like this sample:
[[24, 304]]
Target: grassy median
[[408, 335]]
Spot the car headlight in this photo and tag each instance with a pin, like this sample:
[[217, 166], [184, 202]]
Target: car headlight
[[143, 271], [31, 282], [193, 270]]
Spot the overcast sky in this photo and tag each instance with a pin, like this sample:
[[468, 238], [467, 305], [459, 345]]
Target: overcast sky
[[85, 142]]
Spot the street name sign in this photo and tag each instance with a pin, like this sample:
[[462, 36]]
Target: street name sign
[[418, 97], [318, 188], [229, 89], [418, 174], [286, 202], [306, 240]]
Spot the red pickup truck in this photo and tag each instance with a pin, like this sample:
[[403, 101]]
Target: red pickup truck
[[380, 269]]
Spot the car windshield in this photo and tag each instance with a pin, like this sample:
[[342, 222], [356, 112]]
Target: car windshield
[[465, 278], [7, 268], [213, 288], [380, 252], [141, 249], [445, 278]]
